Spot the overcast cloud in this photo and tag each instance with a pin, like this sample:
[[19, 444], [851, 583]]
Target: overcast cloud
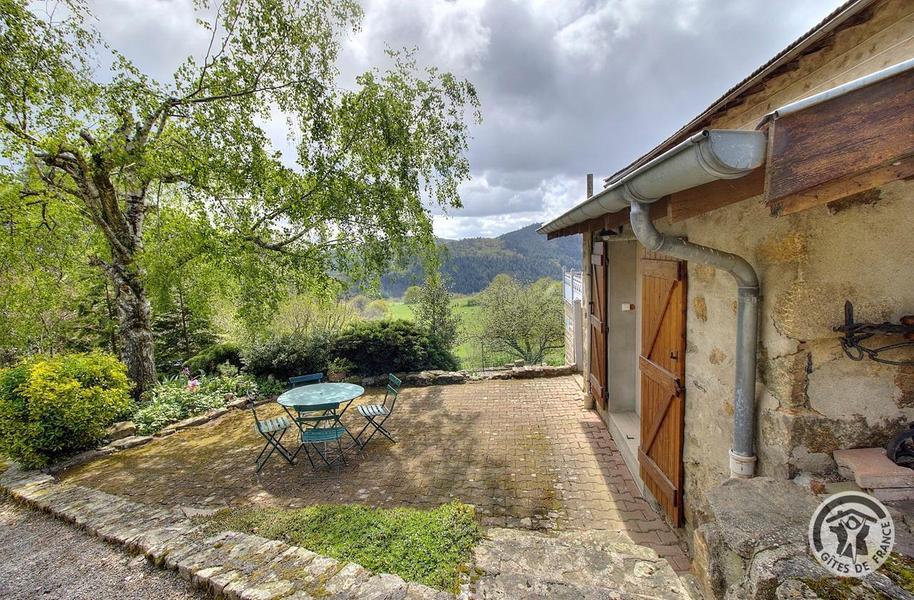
[[567, 86]]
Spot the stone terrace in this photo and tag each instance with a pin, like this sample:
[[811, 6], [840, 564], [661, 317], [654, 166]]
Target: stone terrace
[[525, 453]]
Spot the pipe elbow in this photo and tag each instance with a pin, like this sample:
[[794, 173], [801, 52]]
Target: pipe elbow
[[644, 230]]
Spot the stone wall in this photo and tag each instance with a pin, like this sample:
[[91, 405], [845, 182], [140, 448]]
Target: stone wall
[[812, 398]]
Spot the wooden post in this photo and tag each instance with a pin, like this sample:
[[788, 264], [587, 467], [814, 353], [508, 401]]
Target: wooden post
[[587, 250]]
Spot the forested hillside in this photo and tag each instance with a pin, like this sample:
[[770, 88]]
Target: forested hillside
[[470, 264]]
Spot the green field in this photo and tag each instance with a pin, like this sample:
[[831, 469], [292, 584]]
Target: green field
[[472, 353]]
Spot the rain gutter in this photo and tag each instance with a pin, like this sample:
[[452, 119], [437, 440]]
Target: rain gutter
[[840, 90], [705, 157]]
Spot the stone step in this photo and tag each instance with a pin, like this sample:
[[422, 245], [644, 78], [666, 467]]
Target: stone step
[[231, 565], [518, 564]]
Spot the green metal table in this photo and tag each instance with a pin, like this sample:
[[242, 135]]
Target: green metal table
[[326, 397]]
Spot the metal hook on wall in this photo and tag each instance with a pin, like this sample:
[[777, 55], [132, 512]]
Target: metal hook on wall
[[855, 333]]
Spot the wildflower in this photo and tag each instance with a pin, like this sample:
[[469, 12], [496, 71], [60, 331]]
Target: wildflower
[[193, 385]]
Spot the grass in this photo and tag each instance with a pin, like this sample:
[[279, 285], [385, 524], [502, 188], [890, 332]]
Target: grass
[[425, 546], [470, 353]]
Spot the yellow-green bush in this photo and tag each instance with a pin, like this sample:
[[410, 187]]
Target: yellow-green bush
[[51, 406]]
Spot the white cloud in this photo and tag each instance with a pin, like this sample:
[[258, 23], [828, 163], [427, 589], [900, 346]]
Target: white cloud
[[566, 87]]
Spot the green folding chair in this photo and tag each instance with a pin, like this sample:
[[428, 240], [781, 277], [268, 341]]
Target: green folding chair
[[377, 414], [319, 425], [272, 431], [306, 379]]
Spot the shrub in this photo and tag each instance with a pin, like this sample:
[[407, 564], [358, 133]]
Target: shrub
[[208, 360], [53, 406], [287, 355], [179, 398], [376, 347], [229, 382]]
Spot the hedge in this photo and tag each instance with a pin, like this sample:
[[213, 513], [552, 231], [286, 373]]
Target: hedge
[[51, 407]]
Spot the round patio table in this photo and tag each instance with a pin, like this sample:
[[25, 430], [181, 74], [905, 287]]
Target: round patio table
[[320, 396], [327, 397]]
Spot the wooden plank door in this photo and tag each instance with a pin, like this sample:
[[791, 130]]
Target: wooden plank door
[[598, 324], [662, 366]]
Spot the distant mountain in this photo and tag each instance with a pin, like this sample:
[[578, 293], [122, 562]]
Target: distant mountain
[[470, 264]]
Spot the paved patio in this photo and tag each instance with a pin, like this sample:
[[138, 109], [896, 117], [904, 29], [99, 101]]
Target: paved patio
[[525, 453]]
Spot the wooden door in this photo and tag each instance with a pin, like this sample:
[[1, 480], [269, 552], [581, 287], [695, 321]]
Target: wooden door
[[598, 324], [662, 366]]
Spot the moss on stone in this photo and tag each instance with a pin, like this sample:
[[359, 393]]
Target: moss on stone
[[900, 569], [842, 588], [897, 568]]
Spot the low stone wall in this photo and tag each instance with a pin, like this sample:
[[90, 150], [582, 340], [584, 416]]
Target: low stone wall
[[435, 377], [229, 565]]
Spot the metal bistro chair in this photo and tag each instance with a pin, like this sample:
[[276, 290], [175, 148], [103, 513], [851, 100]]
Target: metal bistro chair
[[320, 425], [306, 379], [377, 414], [272, 431], [300, 380]]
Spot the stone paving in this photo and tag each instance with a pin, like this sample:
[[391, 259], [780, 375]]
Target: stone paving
[[525, 453], [571, 565]]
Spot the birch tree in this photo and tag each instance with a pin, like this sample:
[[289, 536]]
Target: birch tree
[[113, 143]]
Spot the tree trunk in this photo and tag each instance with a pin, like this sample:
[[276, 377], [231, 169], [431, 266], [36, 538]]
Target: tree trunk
[[134, 316], [124, 232]]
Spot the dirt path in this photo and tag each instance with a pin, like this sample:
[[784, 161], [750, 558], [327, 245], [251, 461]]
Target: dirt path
[[46, 558]]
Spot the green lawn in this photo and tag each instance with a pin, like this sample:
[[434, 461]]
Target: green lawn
[[426, 546], [472, 354]]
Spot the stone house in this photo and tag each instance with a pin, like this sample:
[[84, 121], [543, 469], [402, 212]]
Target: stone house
[[716, 357]]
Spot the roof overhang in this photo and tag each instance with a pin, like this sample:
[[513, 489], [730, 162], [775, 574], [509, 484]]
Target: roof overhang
[[849, 13], [707, 156]]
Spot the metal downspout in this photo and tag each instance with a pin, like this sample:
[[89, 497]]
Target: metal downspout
[[742, 453]]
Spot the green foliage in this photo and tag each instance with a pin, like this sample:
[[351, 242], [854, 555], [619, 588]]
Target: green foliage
[[425, 546], [285, 356], [340, 367], [302, 314], [53, 406], [50, 299], [188, 158], [180, 397], [364, 348], [180, 334], [412, 294], [525, 320], [268, 387], [209, 360], [377, 347], [376, 309], [435, 314]]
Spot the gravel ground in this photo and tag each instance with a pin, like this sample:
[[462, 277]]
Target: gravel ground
[[42, 557]]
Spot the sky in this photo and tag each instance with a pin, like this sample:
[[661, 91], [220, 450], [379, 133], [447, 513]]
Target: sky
[[567, 87]]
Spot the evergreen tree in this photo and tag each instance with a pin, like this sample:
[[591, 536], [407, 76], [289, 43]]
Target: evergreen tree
[[435, 313]]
